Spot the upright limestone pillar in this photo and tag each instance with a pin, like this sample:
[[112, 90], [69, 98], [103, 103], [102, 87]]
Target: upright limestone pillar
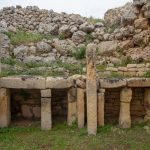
[[5, 114], [125, 99], [147, 104], [46, 114], [101, 103], [72, 106], [91, 90], [80, 107]]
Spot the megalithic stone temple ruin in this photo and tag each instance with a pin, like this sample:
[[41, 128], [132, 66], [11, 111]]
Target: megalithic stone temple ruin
[[90, 100]]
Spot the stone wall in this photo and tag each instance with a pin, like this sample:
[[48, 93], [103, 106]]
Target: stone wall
[[59, 105], [25, 104]]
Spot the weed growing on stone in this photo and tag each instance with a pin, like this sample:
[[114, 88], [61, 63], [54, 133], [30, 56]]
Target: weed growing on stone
[[22, 37], [80, 53]]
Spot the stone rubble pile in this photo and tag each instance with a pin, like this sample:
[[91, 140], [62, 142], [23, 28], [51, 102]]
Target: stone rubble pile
[[124, 33]]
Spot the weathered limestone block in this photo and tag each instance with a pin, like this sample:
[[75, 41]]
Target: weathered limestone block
[[91, 90], [80, 83], [46, 115], [125, 99], [80, 107], [46, 93], [138, 82], [101, 102], [59, 83], [112, 83], [5, 115], [147, 104], [72, 106], [23, 82]]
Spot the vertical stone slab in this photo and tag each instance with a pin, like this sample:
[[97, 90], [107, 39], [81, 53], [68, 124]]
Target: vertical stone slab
[[125, 99], [147, 104], [80, 107], [72, 106], [101, 103], [46, 114], [5, 115], [91, 90]]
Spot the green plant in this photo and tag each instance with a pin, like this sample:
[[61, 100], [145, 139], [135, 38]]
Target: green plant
[[22, 37], [95, 20], [89, 38], [101, 68], [80, 53], [147, 74]]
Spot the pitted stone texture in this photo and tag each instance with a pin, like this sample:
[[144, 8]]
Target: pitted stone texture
[[46, 93], [138, 82], [59, 83], [72, 106], [46, 114], [23, 82], [125, 99], [80, 107], [5, 115], [112, 83], [101, 103], [91, 90]]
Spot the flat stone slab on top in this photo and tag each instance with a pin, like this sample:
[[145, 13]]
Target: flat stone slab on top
[[22, 82], [138, 82], [59, 83], [112, 83]]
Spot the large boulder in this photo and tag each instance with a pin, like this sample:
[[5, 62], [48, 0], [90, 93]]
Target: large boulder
[[128, 18], [64, 47], [113, 16], [21, 52], [65, 31], [87, 27], [146, 9], [79, 37], [43, 47], [107, 48], [142, 39]]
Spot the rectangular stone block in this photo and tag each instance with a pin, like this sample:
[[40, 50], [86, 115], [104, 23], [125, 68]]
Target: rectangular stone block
[[101, 102], [80, 107], [138, 82], [46, 114], [72, 106], [59, 83], [5, 115], [23, 82], [112, 83], [46, 93]]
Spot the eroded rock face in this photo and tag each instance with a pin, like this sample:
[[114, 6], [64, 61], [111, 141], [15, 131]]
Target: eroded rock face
[[113, 16], [78, 37]]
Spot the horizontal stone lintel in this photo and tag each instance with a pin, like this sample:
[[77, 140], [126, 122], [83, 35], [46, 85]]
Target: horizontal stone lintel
[[31, 82], [112, 83], [59, 83], [22, 82], [138, 82]]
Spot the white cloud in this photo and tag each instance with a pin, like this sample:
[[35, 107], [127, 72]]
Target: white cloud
[[95, 8]]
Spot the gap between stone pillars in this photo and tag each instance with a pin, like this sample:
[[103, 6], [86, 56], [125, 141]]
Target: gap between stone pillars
[[147, 104], [125, 116], [101, 105], [5, 114], [80, 107], [72, 106], [91, 90], [46, 114]]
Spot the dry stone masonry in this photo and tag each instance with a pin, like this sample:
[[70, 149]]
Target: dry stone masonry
[[119, 44]]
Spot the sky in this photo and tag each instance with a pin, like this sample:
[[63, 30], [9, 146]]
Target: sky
[[87, 8]]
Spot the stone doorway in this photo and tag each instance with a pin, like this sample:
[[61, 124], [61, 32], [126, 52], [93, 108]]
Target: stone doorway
[[59, 105], [25, 106], [137, 109], [112, 105]]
